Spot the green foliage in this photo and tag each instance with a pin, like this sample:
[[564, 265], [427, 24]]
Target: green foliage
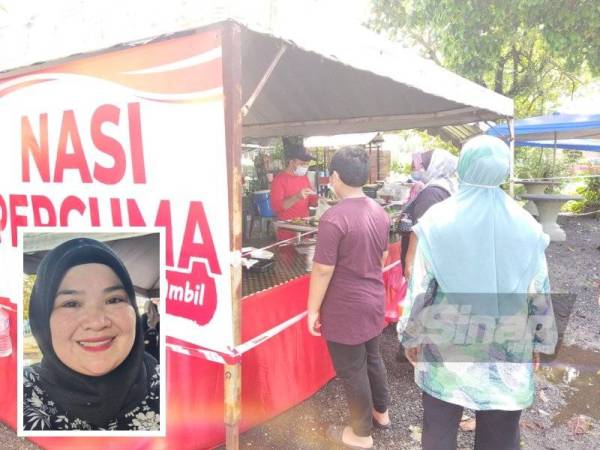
[[591, 197], [398, 167], [28, 281], [573, 156], [531, 50], [277, 152], [539, 163]]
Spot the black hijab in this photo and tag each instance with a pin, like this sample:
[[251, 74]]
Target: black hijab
[[97, 400]]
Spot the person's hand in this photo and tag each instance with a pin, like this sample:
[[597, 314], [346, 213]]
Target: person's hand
[[314, 325], [305, 192], [412, 354], [536, 361], [407, 272]]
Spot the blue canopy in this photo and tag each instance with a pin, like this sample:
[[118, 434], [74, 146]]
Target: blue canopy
[[590, 145], [553, 127]]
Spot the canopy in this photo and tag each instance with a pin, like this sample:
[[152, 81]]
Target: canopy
[[552, 127], [590, 145], [324, 83], [296, 83]]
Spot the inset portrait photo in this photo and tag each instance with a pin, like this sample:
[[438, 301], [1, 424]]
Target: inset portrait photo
[[90, 356]]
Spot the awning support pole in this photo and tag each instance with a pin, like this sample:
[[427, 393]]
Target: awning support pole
[[232, 86], [378, 175], [553, 157], [263, 81]]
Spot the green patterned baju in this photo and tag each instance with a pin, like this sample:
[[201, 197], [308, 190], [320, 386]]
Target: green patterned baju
[[478, 377]]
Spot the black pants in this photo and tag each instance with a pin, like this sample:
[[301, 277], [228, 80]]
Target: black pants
[[363, 374], [496, 430]]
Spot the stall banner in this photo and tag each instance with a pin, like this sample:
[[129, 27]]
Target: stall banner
[[130, 137]]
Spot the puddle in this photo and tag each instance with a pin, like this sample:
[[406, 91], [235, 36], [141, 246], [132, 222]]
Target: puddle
[[579, 370]]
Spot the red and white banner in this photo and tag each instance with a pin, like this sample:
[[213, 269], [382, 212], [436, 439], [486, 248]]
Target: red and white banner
[[128, 138]]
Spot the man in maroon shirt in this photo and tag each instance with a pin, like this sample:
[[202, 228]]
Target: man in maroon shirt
[[346, 302], [291, 189]]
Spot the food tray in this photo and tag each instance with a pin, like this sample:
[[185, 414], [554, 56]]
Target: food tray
[[262, 265]]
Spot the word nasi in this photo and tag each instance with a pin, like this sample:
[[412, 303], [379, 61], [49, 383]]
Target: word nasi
[[70, 153]]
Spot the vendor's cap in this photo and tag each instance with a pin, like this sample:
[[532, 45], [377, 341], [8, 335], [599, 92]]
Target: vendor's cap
[[295, 150]]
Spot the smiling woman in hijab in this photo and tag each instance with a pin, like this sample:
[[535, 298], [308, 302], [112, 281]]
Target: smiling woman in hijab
[[479, 300], [94, 373]]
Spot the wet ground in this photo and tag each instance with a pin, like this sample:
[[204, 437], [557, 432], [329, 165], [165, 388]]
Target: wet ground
[[565, 415]]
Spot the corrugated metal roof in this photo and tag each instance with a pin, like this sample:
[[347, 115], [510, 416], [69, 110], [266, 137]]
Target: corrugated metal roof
[[456, 134]]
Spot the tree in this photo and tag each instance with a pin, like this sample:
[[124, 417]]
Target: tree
[[530, 50]]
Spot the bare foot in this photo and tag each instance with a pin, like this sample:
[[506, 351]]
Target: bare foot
[[348, 437], [382, 418]]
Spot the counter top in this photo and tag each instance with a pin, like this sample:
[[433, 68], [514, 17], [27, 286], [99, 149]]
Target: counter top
[[289, 262]]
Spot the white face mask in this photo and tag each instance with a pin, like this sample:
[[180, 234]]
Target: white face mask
[[300, 171], [420, 175]]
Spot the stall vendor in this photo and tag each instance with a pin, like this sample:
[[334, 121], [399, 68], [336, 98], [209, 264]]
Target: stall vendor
[[291, 190]]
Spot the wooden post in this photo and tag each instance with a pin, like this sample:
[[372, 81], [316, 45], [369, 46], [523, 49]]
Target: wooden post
[[232, 88]]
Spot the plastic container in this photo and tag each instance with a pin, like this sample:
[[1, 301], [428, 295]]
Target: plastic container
[[5, 342], [263, 204]]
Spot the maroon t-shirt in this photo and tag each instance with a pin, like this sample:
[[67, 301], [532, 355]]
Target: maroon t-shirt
[[352, 236]]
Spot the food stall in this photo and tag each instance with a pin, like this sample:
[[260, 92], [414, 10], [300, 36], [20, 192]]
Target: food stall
[[178, 107]]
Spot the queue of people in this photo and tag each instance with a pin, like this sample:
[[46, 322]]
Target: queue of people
[[476, 265], [475, 254]]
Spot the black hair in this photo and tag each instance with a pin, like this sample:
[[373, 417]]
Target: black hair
[[352, 165], [293, 148]]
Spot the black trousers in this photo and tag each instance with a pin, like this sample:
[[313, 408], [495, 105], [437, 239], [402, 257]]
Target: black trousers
[[362, 372], [496, 430]]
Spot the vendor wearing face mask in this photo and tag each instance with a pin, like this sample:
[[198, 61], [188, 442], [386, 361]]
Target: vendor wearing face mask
[[291, 190]]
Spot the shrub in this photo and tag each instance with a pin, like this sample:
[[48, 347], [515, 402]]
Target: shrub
[[591, 197], [539, 163]]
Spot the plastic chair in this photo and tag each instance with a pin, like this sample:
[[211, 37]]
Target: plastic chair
[[261, 209]]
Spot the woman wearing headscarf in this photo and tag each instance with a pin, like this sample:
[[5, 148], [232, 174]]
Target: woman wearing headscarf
[[478, 305], [433, 172], [94, 373]]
